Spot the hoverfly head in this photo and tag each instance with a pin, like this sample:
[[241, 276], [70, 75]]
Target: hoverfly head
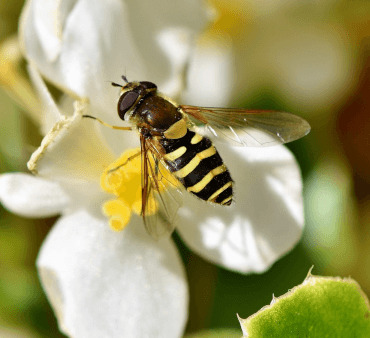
[[131, 95]]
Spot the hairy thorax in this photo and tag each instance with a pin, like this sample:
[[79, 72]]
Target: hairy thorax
[[157, 113]]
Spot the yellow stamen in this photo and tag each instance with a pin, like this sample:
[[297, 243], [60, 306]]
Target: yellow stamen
[[118, 212], [123, 179]]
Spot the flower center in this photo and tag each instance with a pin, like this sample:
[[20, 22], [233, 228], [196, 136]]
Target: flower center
[[123, 179]]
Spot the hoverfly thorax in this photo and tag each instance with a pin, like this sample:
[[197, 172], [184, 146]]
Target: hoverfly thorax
[[131, 96]]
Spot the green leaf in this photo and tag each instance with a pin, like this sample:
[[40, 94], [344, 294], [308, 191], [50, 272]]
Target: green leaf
[[319, 307]]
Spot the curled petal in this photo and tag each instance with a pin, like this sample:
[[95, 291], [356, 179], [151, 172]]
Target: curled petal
[[107, 284], [50, 112], [263, 223], [72, 150], [49, 21], [31, 196]]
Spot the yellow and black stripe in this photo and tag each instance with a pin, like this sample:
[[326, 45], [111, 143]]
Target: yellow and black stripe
[[198, 166]]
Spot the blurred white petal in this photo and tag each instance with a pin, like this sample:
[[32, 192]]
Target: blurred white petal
[[287, 49], [211, 75], [310, 66], [266, 219], [102, 40], [164, 33], [175, 43], [31, 196], [107, 284]]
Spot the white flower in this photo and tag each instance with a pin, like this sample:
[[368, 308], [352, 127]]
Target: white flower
[[103, 283]]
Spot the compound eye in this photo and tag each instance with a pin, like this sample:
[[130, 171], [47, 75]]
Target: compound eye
[[125, 102], [148, 85]]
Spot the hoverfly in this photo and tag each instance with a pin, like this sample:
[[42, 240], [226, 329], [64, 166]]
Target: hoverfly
[[169, 143]]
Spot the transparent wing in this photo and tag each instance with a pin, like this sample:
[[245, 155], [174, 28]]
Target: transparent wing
[[161, 193], [251, 128]]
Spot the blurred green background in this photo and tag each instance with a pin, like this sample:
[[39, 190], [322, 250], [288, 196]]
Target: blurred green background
[[311, 58]]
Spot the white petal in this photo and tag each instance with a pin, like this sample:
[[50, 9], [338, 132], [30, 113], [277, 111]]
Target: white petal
[[107, 284], [49, 18], [102, 40], [266, 219], [31, 196]]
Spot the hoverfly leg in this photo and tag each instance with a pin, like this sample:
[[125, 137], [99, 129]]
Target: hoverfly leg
[[128, 160], [106, 124]]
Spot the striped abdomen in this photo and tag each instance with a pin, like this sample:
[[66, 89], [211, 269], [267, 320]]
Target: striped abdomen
[[198, 166]]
